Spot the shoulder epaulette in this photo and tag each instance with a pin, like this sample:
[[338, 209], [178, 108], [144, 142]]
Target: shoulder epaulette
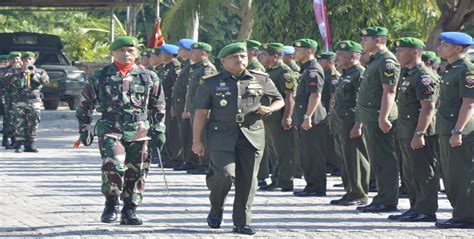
[[258, 72], [210, 75]]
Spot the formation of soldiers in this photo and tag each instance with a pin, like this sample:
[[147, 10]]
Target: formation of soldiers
[[278, 111]]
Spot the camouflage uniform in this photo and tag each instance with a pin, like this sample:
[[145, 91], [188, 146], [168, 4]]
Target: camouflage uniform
[[8, 128], [131, 105]]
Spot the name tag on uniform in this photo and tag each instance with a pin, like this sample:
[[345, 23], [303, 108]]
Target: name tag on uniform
[[222, 88]]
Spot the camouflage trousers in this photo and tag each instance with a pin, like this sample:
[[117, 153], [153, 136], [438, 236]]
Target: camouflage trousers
[[125, 166], [25, 121], [8, 120]]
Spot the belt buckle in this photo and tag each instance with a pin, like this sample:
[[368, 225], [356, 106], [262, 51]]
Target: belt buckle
[[239, 118]]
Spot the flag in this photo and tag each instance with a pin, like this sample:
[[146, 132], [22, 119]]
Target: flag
[[319, 8], [156, 38]]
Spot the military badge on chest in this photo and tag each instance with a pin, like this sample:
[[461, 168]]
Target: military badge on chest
[[404, 85], [223, 90]]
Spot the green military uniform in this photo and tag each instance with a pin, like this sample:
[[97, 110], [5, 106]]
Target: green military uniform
[[383, 69], [9, 112], [294, 66], [235, 134], [312, 141], [255, 65], [280, 143]]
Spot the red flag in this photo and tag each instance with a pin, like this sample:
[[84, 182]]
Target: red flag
[[319, 8], [156, 39]]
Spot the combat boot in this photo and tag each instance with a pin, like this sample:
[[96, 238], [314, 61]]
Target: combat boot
[[111, 209], [30, 147], [12, 144], [5, 141], [19, 146], [128, 216]]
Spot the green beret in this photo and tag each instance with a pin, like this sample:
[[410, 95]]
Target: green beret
[[328, 55], [123, 41], [14, 54], [156, 51], [28, 54], [409, 42], [253, 44], [306, 43], [438, 60], [272, 47], [429, 56], [146, 52], [3, 57], [348, 45], [202, 45], [374, 31], [232, 48]]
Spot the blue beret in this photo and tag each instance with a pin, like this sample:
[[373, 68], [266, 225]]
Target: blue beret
[[186, 43], [288, 50], [170, 49], [456, 38]]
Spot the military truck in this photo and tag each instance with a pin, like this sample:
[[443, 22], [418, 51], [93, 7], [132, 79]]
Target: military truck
[[66, 80]]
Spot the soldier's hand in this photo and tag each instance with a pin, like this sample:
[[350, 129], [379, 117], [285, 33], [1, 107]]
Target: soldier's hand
[[385, 125], [356, 132], [86, 134], [264, 110], [455, 140], [185, 115], [198, 148], [286, 123], [307, 124], [417, 142]]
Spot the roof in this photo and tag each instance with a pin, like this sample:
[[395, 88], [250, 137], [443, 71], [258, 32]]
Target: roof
[[68, 3]]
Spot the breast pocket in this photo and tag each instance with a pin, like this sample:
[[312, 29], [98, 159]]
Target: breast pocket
[[253, 94]]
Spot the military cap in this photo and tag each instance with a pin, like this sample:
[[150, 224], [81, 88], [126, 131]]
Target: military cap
[[146, 53], [156, 51], [348, 45], [272, 47], [253, 44], [28, 54], [288, 50], [328, 55], [186, 43], [170, 49], [456, 38], [123, 41], [306, 43], [237, 47], [374, 31], [3, 57], [14, 54], [437, 60], [202, 45], [428, 56], [409, 42]]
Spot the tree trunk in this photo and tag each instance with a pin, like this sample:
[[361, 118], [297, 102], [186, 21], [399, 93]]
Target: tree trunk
[[246, 24], [193, 31]]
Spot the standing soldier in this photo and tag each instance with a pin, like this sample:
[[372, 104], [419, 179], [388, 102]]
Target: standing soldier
[[131, 101], [178, 105], [309, 118], [200, 67], [26, 84], [236, 136], [355, 164], [279, 131], [455, 126], [3, 68], [15, 65], [431, 60], [252, 52], [416, 99], [376, 111], [168, 71], [289, 58]]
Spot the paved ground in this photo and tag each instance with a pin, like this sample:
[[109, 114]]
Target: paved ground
[[56, 193]]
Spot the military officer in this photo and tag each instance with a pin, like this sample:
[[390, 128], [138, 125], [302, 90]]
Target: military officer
[[352, 147], [178, 104], [377, 112], [455, 126], [253, 47], [154, 59], [416, 100], [3, 68], [131, 101], [236, 137], [201, 66], [289, 58], [309, 117], [14, 65], [280, 133], [431, 60]]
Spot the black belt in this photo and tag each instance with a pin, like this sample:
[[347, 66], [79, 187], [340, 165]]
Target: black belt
[[116, 117]]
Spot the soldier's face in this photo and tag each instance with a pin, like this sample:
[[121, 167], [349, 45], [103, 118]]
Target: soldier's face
[[197, 55], [448, 50], [183, 53], [343, 58], [300, 53], [368, 43], [265, 58], [125, 55], [29, 61], [235, 63], [155, 60], [15, 62], [404, 55], [287, 58]]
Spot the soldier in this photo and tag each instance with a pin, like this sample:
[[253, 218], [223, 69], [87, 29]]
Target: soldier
[[154, 59], [168, 71], [431, 60], [376, 112], [144, 59], [455, 126], [309, 118], [355, 164], [26, 84], [279, 131], [416, 99], [3, 60], [200, 67], [252, 52], [3, 67], [289, 58], [132, 102], [179, 101], [236, 137]]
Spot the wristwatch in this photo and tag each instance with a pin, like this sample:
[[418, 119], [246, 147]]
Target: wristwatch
[[305, 117], [456, 132], [420, 133]]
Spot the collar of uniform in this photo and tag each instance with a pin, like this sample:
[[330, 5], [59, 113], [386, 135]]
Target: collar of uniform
[[414, 69], [350, 69], [244, 75], [277, 64], [379, 53], [307, 64], [458, 62]]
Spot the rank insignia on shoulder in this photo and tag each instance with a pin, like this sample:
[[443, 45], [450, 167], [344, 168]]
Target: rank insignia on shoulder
[[258, 72], [209, 75], [469, 80]]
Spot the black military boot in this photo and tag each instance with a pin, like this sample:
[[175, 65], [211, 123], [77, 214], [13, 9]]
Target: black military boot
[[12, 144], [111, 209], [5, 141], [30, 146], [19, 146], [128, 215]]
